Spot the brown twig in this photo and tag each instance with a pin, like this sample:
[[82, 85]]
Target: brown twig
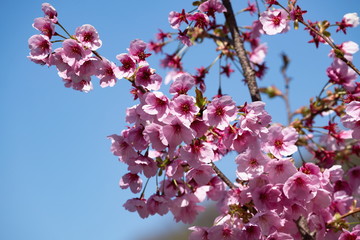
[[248, 71], [351, 212], [222, 176]]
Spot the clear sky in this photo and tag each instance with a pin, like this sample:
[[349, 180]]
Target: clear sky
[[58, 178]]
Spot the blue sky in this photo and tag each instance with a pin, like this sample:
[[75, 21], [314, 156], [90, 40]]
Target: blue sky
[[58, 178]]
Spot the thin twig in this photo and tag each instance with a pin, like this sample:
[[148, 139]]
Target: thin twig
[[286, 95], [222, 176]]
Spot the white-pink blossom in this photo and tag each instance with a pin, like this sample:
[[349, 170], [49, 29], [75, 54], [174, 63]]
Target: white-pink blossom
[[220, 112], [274, 21], [351, 19]]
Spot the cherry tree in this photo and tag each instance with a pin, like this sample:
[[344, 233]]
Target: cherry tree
[[178, 137]]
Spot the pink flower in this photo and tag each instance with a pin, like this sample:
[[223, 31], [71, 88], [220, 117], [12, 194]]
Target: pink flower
[[250, 164], [175, 169], [120, 148], [177, 131], [342, 74], [137, 51], [268, 221], [354, 177], [197, 153], [351, 19], [266, 197], [223, 232], [147, 78], [176, 18], [143, 164], [158, 204], [106, 73], [341, 202], [73, 53], [349, 48], [281, 141], [182, 84], [274, 21], [50, 12], [201, 174], [184, 107], [198, 233], [217, 189], [212, 6], [156, 103], [351, 119], [137, 205], [201, 20], [135, 137], [258, 54], [88, 36], [346, 235], [255, 119], [45, 26], [184, 208], [131, 180], [279, 236], [156, 136], [185, 39], [250, 231], [280, 170], [128, 66], [301, 187], [40, 47], [83, 85], [88, 68], [220, 112]]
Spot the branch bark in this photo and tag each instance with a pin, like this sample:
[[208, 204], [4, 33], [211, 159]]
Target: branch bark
[[248, 71]]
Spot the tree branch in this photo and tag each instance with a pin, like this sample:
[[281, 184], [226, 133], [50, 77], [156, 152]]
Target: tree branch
[[249, 72]]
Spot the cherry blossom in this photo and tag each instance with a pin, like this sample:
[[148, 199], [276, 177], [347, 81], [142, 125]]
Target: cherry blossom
[[220, 112], [131, 180], [184, 107], [182, 84], [73, 53], [176, 18], [274, 21], [137, 205], [45, 26], [182, 134], [212, 6], [40, 47], [281, 141], [352, 118], [88, 36], [128, 66], [50, 12], [351, 19]]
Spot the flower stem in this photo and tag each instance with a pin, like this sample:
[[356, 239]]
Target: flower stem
[[64, 29]]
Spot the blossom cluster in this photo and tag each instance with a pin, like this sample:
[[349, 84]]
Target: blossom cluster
[[180, 135], [76, 60]]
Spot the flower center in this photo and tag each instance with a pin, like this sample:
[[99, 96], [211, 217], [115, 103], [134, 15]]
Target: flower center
[[185, 108], [88, 37], [278, 143], [276, 20], [219, 111]]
